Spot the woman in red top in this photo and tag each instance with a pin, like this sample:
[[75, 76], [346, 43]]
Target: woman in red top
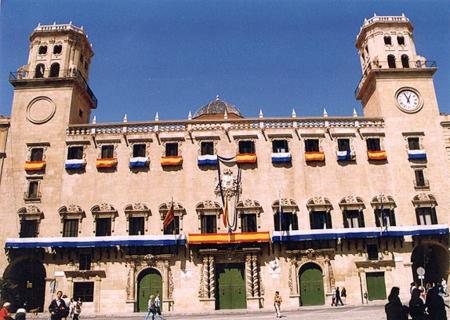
[[4, 312]]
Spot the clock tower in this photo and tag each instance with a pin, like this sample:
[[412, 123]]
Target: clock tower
[[396, 83]]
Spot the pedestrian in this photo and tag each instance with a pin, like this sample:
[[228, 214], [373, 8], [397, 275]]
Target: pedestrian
[[67, 302], [4, 311], [344, 294], [158, 305], [151, 308], [21, 314], [77, 309], [338, 297], [394, 309], [435, 305], [333, 297], [277, 303], [412, 286], [71, 307], [416, 306], [444, 287], [57, 308]]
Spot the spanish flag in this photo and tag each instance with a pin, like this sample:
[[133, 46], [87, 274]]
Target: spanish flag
[[106, 163], [315, 156], [246, 158], [171, 161], [170, 217], [379, 155], [34, 165], [225, 214]]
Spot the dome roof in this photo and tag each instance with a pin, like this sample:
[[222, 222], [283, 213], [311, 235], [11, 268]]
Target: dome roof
[[215, 109]]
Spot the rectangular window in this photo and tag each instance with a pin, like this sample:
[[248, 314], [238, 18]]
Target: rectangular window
[[33, 190], [174, 227], [312, 145], [29, 228], [171, 149], [207, 148], [420, 178], [387, 40], [280, 146], [208, 224], [287, 220], [85, 261], [248, 223], [83, 291], [426, 216], [320, 220], [353, 219], [136, 226], [372, 252], [385, 218], [373, 144], [139, 150], [246, 146], [102, 227], [75, 152], [413, 143], [344, 145], [37, 154], [70, 228], [107, 151], [401, 40]]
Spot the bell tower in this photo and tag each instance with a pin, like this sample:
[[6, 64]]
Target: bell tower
[[396, 83]]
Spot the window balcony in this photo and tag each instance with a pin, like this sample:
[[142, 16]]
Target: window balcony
[[138, 162], [417, 155], [378, 155], [207, 160], [281, 157], [33, 166], [224, 238], [75, 164], [106, 163], [168, 161], [246, 158], [315, 156], [422, 185], [31, 197], [346, 155]]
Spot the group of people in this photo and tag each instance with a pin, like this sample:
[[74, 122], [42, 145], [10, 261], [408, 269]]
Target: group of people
[[337, 296], [64, 308], [425, 304], [154, 307]]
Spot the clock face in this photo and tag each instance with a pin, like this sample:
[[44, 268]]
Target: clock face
[[408, 100]]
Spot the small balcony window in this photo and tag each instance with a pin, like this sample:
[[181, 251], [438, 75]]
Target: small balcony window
[[37, 154], [172, 149], [173, 227], [39, 71], [136, 226], [391, 61], [207, 148], [83, 291], [249, 222], [107, 152], [426, 215], [57, 49], [85, 261], [373, 144], [320, 220], [42, 50], [420, 181], [246, 146], [344, 145], [102, 227], [280, 146], [54, 70], [139, 150], [405, 61], [33, 190], [385, 217], [372, 252], [70, 228], [29, 228], [75, 153], [387, 40], [401, 40], [413, 143], [208, 224], [287, 220], [312, 145], [353, 219]]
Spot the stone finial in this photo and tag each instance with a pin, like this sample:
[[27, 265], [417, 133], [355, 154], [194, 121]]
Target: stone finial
[[217, 97], [355, 114], [261, 114], [294, 114], [125, 118], [157, 116], [190, 115], [94, 119], [225, 114], [325, 113], [374, 14]]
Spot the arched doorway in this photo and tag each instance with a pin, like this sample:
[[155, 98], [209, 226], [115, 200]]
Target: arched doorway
[[311, 285], [434, 258], [26, 280], [149, 283]]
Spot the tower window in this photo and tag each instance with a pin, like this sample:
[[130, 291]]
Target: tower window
[[54, 70], [401, 40], [367, 49], [42, 50], [312, 145], [246, 146], [391, 61], [57, 49], [172, 149], [107, 152], [373, 144], [387, 40], [413, 143], [280, 146], [405, 61], [80, 113], [344, 145], [81, 58], [139, 150], [207, 148], [37, 154], [39, 72]]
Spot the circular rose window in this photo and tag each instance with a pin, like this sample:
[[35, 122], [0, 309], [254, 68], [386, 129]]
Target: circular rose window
[[40, 110]]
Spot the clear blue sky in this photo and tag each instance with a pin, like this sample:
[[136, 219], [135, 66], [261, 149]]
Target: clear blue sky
[[175, 56]]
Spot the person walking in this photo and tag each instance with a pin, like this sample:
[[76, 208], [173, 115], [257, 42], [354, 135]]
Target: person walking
[[21, 314], [67, 302], [158, 305], [333, 297], [277, 303], [4, 311], [57, 307], [338, 297], [416, 306], [435, 305], [394, 308], [344, 295], [151, 308], [77, 309], [444, 287]]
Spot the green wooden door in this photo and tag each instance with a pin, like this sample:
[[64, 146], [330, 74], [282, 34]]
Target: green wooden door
[[376, 287], [230, 286], [149, 284], [311, 286]]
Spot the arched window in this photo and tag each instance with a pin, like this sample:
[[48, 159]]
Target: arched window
[[387, 40], [319, 213], [391, 61], [54, 70], [30, 218], [57, 49], [175, 225], [137, 217], [425, 205], [401, 40], [208, 213], [352, 211], [104, 217], [248, 213], [42, 50], [40, 69], [405, 61], [384, 210], [285, 215], [71, 217]]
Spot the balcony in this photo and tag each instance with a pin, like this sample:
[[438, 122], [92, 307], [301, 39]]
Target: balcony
[[422, 185], [224, 238], [32, 197]]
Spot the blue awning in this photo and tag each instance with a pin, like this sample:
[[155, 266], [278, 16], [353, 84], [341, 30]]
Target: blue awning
[[96, 242]]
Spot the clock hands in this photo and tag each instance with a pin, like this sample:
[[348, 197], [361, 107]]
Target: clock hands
[[407, 98]]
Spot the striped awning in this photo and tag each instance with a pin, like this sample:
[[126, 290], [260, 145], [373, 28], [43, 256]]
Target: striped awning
[[355, 233], [96, 242], [224, 238]]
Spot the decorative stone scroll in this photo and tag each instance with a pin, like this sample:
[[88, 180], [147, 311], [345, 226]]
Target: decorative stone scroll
[[178, 209], [384, 201], [319, 204], [249, 206], [30, 212], [72, 211], [286, 203], [352, 202], [208, 207], [424, 200]]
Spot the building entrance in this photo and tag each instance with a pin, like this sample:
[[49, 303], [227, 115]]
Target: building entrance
[[376, 286], [149, 283], [311, 285], [26, 279], [434, 259], [230, 286]]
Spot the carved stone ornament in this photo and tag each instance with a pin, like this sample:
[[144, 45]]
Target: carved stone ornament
[[230, 185], [274, 266], [30, 212], [352, 201], [103, 208], [40, 110], [285, 203], [385, 200], [208, 205], [311, 253], [177, 208], [319, 202], [424, 198], [137, 207], [248, 204], [150, 259]]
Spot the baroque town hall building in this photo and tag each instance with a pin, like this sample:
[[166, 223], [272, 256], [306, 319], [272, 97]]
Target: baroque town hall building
[[219, 211]]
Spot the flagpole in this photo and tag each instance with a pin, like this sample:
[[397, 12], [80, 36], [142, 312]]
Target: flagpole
[[279, 215]]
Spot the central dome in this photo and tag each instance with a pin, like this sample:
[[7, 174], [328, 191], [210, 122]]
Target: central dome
[[216, 109]]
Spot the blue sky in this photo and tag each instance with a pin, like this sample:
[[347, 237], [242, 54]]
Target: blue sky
[[175, 56]]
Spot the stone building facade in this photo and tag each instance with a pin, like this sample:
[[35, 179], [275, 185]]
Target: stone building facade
[[219, 211]]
